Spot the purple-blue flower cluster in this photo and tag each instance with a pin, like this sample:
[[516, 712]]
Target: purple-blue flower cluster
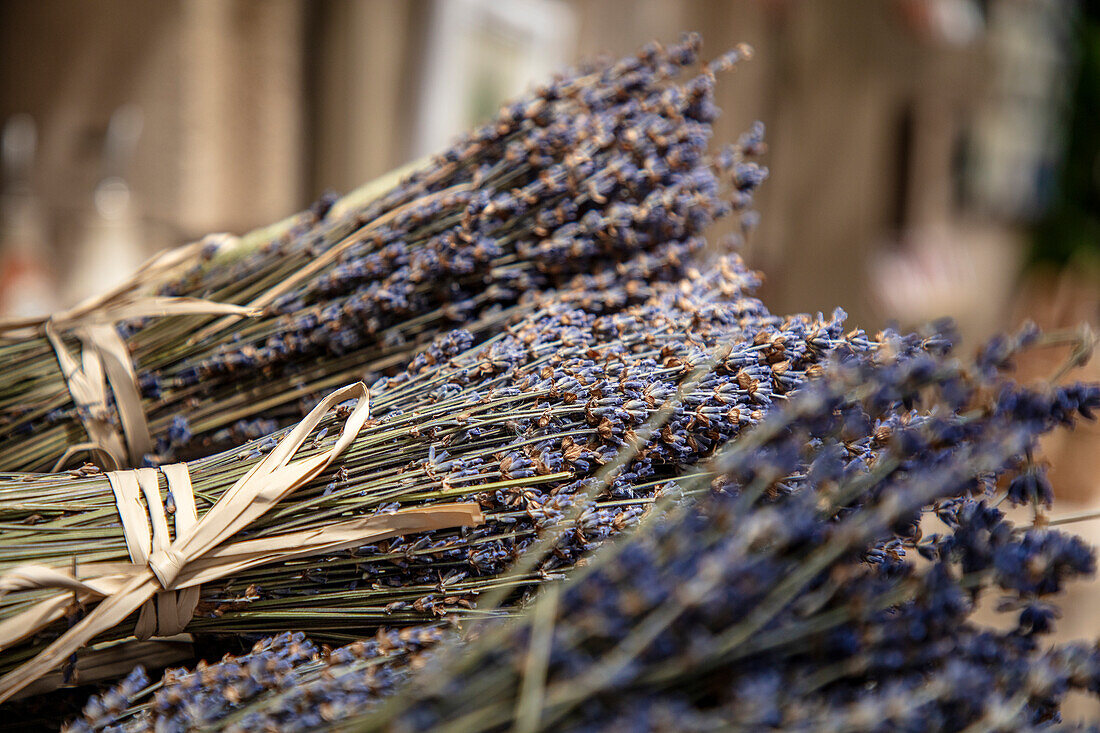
[[540, 410]]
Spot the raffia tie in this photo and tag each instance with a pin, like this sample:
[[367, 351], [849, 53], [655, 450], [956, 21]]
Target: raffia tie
[[104, 360], [169, 572], [171, 611]]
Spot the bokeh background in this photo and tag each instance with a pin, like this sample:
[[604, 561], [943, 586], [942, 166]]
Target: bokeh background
[[928, 157]]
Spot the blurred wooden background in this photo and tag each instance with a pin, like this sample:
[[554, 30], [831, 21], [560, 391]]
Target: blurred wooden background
[[253, 107]]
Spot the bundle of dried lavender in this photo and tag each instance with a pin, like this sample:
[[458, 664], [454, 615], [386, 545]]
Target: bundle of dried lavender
[[598, 166]]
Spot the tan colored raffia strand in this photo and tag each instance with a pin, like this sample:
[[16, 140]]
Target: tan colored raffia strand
[[44, 613], [146, 272], [87, 385], [177, 613], [122, 301], [225, 560], [206, 553], [172, 610]]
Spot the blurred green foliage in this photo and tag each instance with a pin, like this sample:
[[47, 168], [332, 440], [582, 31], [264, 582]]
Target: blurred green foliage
[[1070, 231]]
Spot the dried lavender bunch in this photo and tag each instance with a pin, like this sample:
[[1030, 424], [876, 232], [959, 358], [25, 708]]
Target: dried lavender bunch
[[285, 683], [786, 599], [522, 424], [595, 167]]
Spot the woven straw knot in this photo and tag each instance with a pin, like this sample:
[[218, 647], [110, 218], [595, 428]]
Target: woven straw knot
[[149, 541], [166, 565]]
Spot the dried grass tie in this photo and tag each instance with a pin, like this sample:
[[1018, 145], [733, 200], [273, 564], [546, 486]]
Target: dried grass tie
[[105, 359]]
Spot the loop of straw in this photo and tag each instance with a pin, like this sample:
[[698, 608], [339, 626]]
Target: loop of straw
[[203, 552], [105, 359]]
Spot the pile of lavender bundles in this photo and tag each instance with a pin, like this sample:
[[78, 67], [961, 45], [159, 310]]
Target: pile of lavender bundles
[[797, 591], [603, 164], [522, 424], [680, 511]]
